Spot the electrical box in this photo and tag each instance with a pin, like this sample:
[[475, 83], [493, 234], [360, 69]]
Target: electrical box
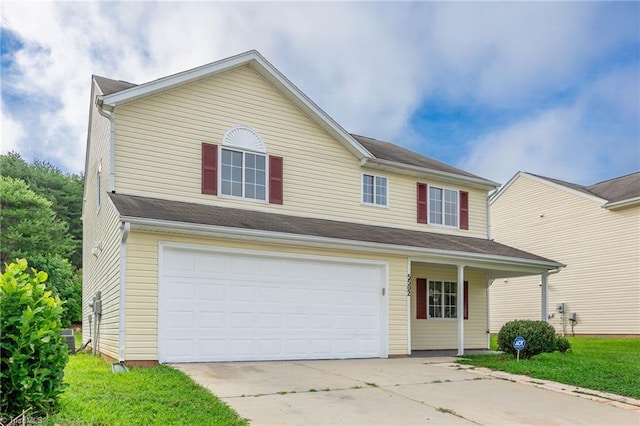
[[560, 307], [572, 316]]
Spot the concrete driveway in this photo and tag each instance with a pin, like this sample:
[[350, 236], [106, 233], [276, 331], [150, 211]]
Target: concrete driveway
[[403, 391]]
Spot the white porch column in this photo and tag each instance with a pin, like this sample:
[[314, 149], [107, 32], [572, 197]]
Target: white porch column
[[460, 310], [543, 287]]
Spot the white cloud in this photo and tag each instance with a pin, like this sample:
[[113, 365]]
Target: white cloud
[[369, 65], [12, 133], [578, 142]]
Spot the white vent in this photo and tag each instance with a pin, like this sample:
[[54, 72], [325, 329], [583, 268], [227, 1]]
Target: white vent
[[243, 138]]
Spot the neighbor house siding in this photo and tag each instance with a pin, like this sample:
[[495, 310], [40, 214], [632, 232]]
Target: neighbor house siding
[[159, 142], [600, 247], [142, 287], [101, 228], [431, 333]]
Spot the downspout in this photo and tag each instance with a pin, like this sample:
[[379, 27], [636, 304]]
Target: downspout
[[488, 217], [125, 228], [112, 145]]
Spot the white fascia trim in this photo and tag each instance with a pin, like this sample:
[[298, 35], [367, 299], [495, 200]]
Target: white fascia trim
[[266, 70], [622, 203], [299, 239], [377, 163]]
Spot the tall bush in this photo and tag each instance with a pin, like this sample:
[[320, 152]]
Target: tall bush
[[539, 336], [32, 353]]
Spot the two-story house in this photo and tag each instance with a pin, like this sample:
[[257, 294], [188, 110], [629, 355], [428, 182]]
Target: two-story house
[[227, 217], [594, 230]]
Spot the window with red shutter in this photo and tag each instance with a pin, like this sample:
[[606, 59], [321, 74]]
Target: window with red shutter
[[464, 210], [421, 298], [209, 168], [422, 202], [466, 299], [275, 180]]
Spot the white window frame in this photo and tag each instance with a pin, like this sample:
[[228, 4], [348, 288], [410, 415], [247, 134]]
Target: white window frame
[[375, 190], [443, 208], [442, 304], [244, 152]]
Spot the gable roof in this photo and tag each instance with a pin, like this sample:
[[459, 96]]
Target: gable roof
[[386, 155], [164, 212], [612, 193]]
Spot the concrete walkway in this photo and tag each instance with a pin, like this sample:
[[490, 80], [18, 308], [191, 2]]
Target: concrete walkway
[[405, 391]]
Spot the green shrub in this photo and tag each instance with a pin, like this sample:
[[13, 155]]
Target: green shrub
[[540, 337], [562, 344], [32, 353]]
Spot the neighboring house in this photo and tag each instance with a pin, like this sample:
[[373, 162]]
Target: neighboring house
[[227, 217], [594, 230]]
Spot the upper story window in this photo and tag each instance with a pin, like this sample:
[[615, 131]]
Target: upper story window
[[241, 168], [374, 190], [443, 206], [243, 164]]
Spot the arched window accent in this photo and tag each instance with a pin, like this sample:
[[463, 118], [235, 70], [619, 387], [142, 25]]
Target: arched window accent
[[242, 137]]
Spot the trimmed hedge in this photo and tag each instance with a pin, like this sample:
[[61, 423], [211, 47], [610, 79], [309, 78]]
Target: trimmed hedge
[[32, 353], [540, 337]]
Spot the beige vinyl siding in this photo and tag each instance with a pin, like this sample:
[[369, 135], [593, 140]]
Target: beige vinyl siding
[[158, 151], [430, 334], [142, 287], [600, 247], [100, 227]]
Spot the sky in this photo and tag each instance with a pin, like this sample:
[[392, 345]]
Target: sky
[[494, 88]]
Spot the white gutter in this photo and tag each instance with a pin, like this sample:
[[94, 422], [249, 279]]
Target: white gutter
[[622, 203], [112, 144], [125, 228], [438, 174], [270, 236]]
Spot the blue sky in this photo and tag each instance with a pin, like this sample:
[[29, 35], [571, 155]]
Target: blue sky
[[551, 88]]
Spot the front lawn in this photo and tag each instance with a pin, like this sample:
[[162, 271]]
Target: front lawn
[[143, 396], [604, 364]]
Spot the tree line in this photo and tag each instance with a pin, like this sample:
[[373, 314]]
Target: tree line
[[40, 215]]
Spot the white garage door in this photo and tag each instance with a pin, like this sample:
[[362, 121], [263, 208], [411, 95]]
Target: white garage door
[[223, 306]]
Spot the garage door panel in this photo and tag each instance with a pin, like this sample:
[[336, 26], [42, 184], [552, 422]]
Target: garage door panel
[[217, 306]]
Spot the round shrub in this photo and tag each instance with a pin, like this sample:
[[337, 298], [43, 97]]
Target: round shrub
[[32, 353], [562, 344], [540, 337]]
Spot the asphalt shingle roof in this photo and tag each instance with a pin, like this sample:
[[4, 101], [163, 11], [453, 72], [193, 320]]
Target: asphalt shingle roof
[[612, 190], [109, 86], [174, 211]]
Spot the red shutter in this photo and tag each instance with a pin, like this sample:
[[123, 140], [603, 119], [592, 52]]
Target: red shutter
[[209, 168], [464, 210], [275, 180], [466, 300], [422, 202], [421, 298]]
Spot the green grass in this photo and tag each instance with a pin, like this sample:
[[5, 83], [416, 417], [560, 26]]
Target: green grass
[[143, 396], [604, 364]]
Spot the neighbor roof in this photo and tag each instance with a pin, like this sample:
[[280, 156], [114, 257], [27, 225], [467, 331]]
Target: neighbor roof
[[613, 190], [131, 207]]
